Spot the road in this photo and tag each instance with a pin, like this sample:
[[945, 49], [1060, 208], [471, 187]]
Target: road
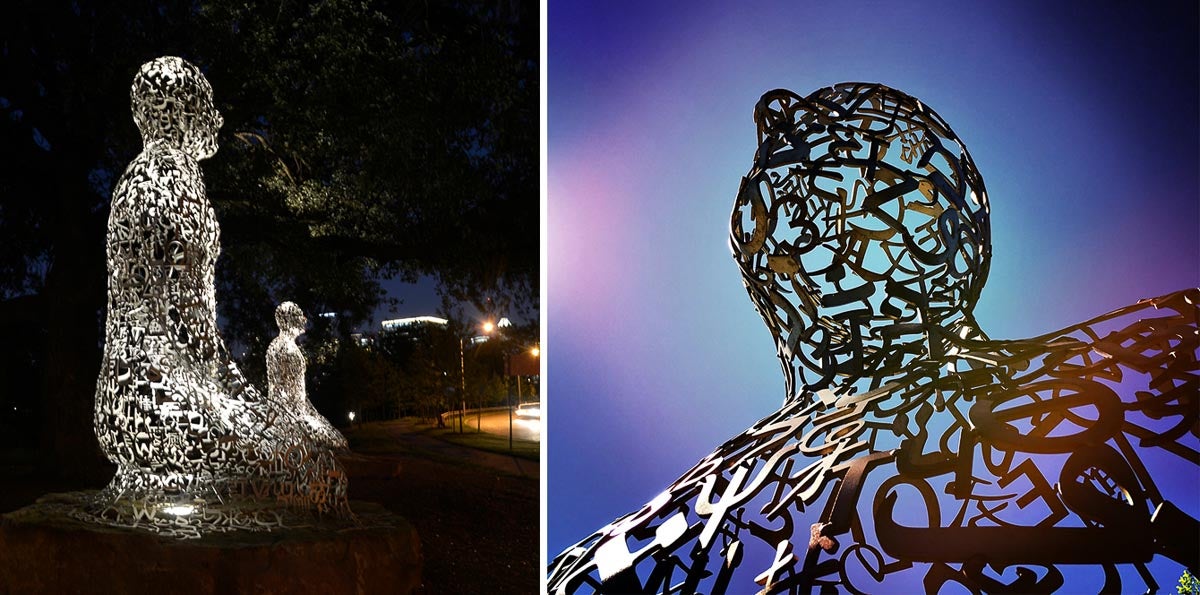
[[496, 422]]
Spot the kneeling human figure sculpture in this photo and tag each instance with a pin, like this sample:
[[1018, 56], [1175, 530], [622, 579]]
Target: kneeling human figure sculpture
[[285, 377], [197, 448], [863, 238]]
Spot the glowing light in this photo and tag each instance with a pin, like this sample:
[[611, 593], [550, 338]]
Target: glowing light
[[179, 509], [488, 327], [397, 323], [535, 352], [533, 425], [351, 416], [285, 376]]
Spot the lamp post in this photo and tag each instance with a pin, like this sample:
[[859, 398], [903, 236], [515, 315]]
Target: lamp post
[[508, 366], [488, 327], [535, 352], [462, 367], [462, 374]]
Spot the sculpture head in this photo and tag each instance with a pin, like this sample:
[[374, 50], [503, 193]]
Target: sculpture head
[[172, 102], [861, 231], [290, 319]]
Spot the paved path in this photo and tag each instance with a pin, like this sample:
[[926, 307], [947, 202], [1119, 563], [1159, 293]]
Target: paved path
[[408, 435], [496, 422]]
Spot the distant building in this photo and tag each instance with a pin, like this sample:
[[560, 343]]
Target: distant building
[[396, 324], [414, 323]]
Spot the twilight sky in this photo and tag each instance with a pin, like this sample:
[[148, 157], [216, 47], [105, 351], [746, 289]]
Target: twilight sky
[[1081, 117]]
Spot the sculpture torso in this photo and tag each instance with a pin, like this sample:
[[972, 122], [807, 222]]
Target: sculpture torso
[[286, 390], [161, 340], [1017, 456], [285, 372]]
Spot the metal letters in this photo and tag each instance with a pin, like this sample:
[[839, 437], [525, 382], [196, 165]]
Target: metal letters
[[912, 448], [285, 377], [197, 448]]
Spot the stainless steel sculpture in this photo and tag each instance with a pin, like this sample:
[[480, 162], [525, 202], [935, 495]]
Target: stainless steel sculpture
[[911, 448], [197, 448], [285, 377]]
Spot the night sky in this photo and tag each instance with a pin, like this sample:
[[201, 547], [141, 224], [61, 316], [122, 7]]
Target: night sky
[[417, 299], [1081, 117]]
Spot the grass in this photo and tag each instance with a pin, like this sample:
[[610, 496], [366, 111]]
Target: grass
[[373, 438], [489, 442]]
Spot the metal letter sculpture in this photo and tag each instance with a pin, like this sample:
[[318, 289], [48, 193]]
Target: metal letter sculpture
[[197, 448], [285, 377], [912, 449]]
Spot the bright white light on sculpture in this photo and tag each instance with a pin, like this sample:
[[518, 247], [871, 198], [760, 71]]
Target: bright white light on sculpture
[[351, 416], [172, 409], [286, 367]]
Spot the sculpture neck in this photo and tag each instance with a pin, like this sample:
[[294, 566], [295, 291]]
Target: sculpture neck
[[888, 354], [170, 143]]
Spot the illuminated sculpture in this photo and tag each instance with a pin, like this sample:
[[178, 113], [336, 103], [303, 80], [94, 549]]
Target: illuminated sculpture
[[912, 450], [285, 376], [197, 448]]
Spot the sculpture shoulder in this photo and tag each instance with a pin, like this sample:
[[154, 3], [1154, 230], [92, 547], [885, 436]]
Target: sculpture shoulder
[[282, 347], [157, 177], [1183, 305], [284, 354]]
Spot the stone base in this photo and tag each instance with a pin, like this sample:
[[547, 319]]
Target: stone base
[[43, 550]]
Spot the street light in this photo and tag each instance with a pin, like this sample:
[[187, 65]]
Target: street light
[[535, 351]]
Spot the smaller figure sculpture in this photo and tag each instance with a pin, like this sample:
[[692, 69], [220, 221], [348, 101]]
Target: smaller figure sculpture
[[285, 377]]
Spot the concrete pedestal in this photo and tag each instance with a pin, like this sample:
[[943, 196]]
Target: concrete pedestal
[[43, 550]]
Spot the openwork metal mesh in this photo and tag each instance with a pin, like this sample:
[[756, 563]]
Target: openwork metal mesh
[[911, 448], [197, 448], [285, 377]]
